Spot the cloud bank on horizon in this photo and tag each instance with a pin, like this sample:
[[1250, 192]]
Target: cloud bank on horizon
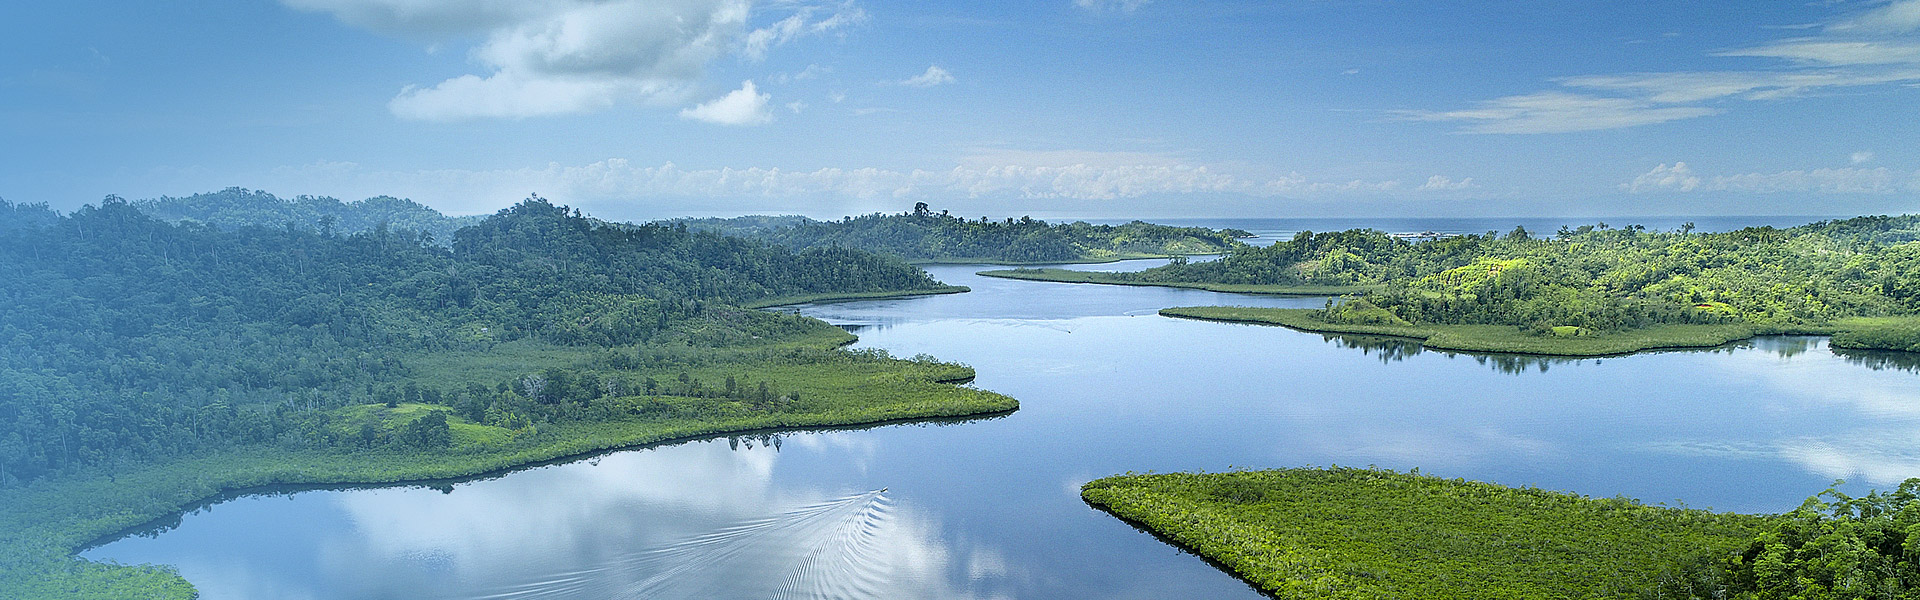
[[1101, 106]]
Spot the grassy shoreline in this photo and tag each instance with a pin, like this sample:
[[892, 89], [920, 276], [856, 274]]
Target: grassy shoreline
[[1502, 338], [810, 298], [1366, 533], [42, 527], [1096, 277], [1085, 260]]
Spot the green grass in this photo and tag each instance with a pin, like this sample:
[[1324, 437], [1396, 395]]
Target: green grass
[[1095, 258], [1068, 276], [1344, 533], [1493, 338], [43, 524], [1879, 333], [785, 300]]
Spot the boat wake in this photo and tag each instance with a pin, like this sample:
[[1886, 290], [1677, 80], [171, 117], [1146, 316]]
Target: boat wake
[[826, 550]]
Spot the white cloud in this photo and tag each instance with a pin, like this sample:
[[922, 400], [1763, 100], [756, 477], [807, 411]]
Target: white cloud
[[756, 43], [1900, 16], [1558, 112], [1678, 177], [744, 106], [1851, 53], [1442, 183], [1119, 5], [934, 76], [796, 106], [549, 57], [1835, 52], [1861, 157]]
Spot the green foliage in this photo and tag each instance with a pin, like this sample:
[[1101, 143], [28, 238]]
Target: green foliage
[[1366, 533], [1600, 279], [1490, 338], [1070, 276], [1833, 547], [925, 236], [147, 365], [234, 208], [1889, 333]]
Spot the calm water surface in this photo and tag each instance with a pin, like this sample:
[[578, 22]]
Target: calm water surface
[[989, 509]]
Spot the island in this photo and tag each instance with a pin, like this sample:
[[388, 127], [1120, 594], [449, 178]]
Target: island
[[1339, 533]]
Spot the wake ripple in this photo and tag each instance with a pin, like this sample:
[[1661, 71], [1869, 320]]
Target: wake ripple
[[828, 550]]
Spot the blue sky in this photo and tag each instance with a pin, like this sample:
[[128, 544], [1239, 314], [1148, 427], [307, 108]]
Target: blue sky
[[1092, 108]]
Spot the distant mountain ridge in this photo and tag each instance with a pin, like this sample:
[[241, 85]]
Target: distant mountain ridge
[[236, 207], [924, 236]]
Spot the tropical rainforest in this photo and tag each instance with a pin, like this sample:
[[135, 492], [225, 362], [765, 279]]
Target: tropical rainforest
[[145, 365], [924, 236]]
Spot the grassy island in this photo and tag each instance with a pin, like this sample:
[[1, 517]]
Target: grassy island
[[1070, 276], [1362, 533], [1369, 533]]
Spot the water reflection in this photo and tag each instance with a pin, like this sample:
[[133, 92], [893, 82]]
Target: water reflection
[[1881, 360], [1395, 349]]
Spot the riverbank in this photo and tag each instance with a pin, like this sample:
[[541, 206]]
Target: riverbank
[[44, 524], [1067, 276], [810, 298], [1506, 338], [1366, 533]]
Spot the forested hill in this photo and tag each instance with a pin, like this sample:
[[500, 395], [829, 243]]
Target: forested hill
[[1597, 277], [124, 337], [238, 207], [926, 236]]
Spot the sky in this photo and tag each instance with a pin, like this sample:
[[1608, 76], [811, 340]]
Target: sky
[[640, 109]]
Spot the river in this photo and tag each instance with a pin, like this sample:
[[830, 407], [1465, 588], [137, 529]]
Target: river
[[989, 508]]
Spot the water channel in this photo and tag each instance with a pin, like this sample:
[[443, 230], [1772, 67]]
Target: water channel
[[989, 508]]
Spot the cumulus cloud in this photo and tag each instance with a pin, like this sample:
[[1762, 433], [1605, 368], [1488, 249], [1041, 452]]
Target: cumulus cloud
[[1678, 177], [744, 106], [934, 76], [1860, 158], [1865, 50], [548, 57]]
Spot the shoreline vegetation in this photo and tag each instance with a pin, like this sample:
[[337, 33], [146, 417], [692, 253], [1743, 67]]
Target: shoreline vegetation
[[48, 522], [1098, 277], [1368, 533], [1495, 338], [830, 297], [1084, 260]]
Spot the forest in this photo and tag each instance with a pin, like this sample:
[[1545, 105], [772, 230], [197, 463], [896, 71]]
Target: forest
[[924, 236], [1597, 279], [133, 348], [234, 208]]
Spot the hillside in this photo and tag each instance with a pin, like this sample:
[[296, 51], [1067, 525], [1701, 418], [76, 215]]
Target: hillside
[[923, 236]]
